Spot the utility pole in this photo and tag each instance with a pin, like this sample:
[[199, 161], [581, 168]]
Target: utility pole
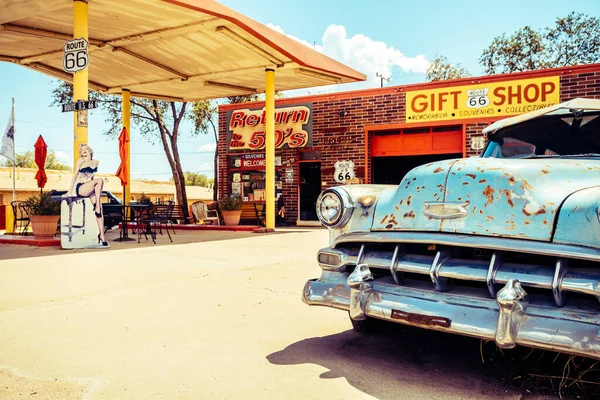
[[382, 78]]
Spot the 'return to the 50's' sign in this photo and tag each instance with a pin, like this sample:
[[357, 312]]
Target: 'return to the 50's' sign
[[293, 128], [487, 100]]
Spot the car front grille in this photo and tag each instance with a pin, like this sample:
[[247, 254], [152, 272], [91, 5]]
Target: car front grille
[[549, 279]]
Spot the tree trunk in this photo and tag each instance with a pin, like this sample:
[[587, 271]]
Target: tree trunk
[[169, 142], [179, 176]]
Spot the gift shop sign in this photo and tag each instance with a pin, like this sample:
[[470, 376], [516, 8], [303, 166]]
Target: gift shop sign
[[487, 100], [293, 128]]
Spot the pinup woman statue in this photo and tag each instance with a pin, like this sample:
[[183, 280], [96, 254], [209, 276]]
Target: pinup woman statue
[[85, 185]]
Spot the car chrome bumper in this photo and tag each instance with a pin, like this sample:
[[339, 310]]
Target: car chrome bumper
[[509, 320]]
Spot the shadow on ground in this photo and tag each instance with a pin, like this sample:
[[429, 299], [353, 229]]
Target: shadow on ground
[[11, 251], [389, 362]]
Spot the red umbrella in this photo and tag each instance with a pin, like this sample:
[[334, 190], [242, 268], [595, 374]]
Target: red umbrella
[[41, 150], [123, 151]]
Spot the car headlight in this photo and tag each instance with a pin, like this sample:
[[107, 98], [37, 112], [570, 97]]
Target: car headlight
[[334, 207]]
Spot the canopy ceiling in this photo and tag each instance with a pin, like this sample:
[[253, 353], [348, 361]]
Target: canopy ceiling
[[174, 50]]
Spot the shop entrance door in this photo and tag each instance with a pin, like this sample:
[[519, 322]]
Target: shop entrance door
[[310, 188]]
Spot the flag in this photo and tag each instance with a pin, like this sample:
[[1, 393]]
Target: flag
[[8, 139]]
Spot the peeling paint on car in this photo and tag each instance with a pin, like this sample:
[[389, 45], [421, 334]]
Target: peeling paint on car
[[488, 192]]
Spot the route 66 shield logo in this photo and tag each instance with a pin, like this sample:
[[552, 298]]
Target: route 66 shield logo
[[344, 171], [478, 98]]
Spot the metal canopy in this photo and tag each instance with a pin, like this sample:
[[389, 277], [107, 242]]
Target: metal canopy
[[166, 49]]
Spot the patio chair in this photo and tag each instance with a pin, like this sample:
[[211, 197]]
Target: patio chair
[[21, 216], [203, 214], [160, 216]]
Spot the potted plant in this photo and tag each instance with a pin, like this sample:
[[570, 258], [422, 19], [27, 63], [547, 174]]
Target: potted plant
[[231, 209], [44, 213]]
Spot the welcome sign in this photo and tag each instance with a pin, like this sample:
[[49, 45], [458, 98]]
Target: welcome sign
[[487, 100]]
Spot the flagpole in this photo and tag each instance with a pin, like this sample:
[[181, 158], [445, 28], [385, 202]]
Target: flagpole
[[14, 158]]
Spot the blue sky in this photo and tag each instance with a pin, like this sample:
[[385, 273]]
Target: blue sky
[[395, 38]]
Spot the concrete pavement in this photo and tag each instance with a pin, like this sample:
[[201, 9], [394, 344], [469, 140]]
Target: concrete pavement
[[209, 317]]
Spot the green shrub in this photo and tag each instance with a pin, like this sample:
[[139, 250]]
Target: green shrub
[[230, 203], [42, 204]]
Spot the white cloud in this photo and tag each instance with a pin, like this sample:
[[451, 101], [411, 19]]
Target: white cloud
[[364, 55], [205, 168], [63, 156], [208, 147]]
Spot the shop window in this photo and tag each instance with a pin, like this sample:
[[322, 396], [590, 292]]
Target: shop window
[[247, 176], [248, 184]]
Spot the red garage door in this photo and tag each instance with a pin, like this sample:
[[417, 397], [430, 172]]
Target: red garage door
[[417, 141]]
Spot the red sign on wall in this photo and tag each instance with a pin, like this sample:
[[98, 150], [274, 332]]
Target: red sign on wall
[[293, 128]]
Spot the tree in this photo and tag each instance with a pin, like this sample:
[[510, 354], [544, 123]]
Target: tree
[[440, 69], [27, 160], [574, 40], [158, 121], [195, 179]]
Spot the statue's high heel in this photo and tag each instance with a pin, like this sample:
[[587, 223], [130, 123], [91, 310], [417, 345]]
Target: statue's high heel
[[102, 241]]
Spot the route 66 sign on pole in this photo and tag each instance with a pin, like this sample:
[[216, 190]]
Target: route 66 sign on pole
[[344, 171], [75, 55]]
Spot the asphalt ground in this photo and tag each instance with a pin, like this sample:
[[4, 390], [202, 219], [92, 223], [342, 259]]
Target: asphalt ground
[[218, 315]]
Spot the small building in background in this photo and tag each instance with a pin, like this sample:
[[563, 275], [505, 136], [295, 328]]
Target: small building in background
[[26, 185]]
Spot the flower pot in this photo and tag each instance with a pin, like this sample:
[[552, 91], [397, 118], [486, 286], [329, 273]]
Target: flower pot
[[44, 226], [231, 217]]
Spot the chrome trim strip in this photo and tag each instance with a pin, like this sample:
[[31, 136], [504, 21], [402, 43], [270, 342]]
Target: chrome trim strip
[[393, 265], [361, 255], [559, 273], [496, 261], [433, 209], [439, 283], [473, 241]]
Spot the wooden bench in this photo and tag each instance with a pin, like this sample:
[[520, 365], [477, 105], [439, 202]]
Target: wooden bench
[[250, 213]]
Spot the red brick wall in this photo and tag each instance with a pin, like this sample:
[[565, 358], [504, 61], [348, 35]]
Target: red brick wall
[[367, 108], [580, 85]]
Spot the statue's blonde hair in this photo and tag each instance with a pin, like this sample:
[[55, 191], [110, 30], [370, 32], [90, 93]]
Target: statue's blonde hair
[[81, 146]]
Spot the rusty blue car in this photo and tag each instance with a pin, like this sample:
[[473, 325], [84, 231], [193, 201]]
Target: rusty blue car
[[504, 247]]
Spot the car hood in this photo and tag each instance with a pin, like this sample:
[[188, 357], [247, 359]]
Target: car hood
[[516, 198]]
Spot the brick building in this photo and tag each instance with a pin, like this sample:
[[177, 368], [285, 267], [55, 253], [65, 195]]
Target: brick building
[[377, 135]]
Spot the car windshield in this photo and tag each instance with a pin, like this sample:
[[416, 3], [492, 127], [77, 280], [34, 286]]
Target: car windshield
[[552, 136]]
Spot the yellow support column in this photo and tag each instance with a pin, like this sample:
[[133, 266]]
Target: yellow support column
[[270, 148], [126, 117], [9, 219], [80, 78]]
